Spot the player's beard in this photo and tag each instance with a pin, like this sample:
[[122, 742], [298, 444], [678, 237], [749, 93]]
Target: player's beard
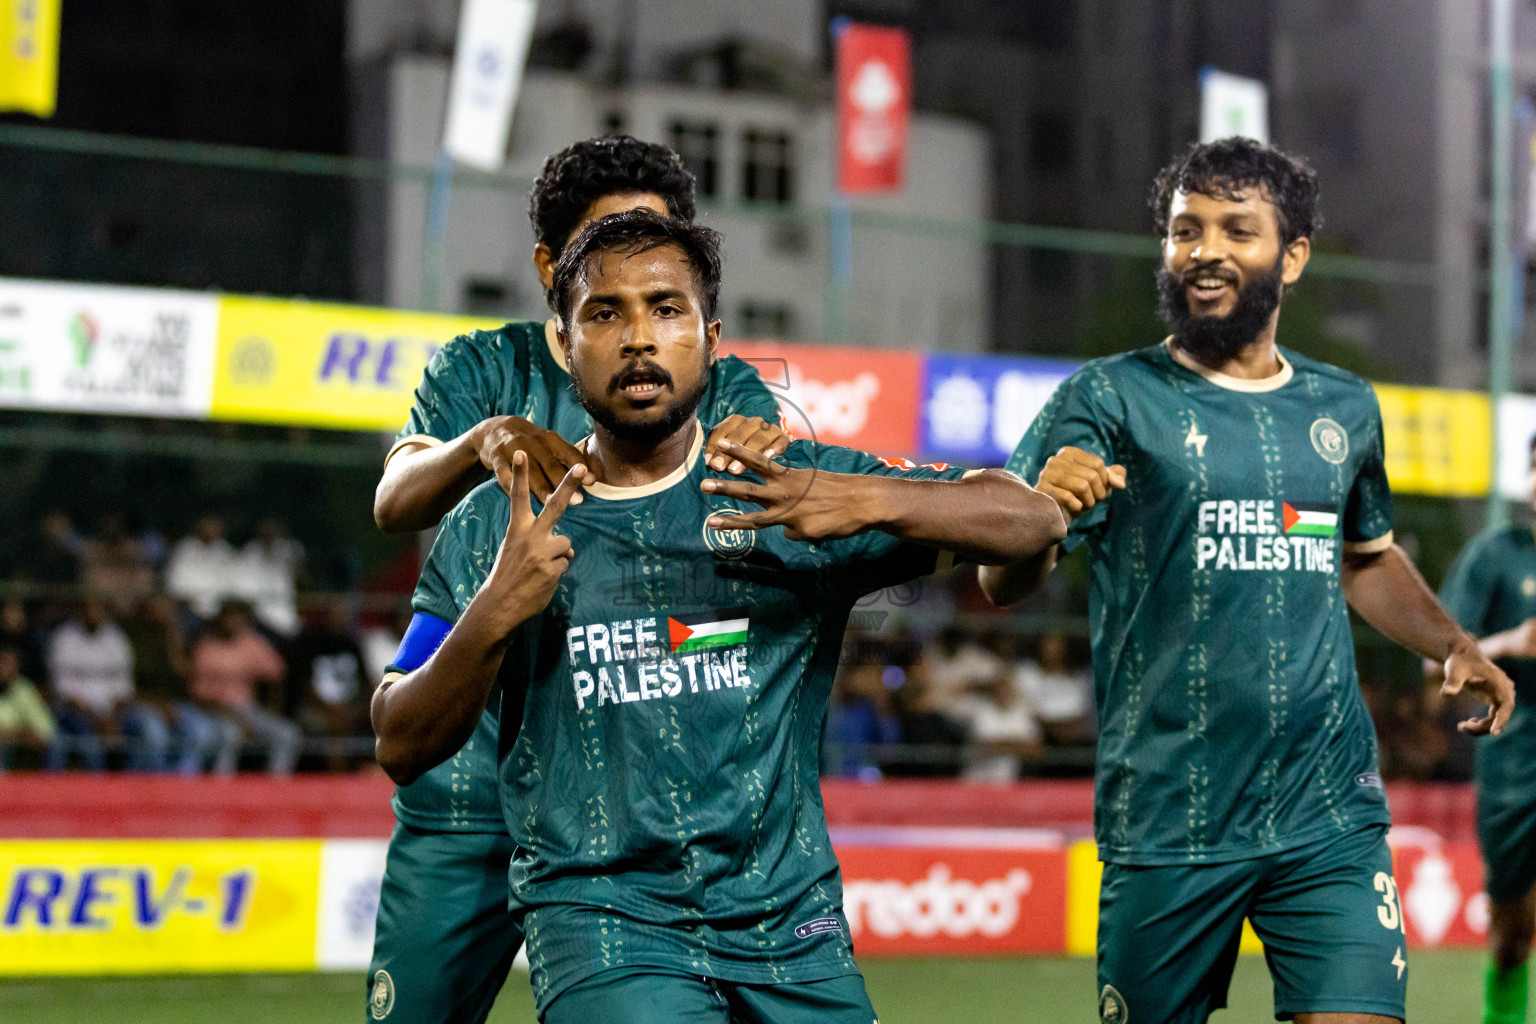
[[1216, 339], [645, 433]]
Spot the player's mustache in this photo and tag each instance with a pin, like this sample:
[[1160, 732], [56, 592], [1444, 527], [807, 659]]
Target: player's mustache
[[639, 370]]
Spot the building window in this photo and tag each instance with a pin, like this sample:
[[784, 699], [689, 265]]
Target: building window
[[765, 320], [767, 166], [698, 143]]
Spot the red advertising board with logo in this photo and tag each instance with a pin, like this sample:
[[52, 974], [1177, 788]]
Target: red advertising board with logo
[[959, 894], [1440, 890], [860, 398], [874, 97]]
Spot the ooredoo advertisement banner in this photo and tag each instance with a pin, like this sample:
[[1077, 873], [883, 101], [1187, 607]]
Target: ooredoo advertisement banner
[[859, 398]]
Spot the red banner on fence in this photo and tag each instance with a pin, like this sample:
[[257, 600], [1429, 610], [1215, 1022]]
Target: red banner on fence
[[874, 97], [860, 398], [955, 899]]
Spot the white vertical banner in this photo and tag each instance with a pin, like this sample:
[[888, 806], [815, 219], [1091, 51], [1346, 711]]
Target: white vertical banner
[[487, 69], [1517, 426], [1232, 105]]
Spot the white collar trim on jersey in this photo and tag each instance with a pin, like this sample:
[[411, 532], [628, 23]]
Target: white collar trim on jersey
[[613, 493], [1222, 380], [552, 339]]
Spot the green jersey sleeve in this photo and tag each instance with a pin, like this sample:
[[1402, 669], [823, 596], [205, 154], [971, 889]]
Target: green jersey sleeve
[[736, 388], [461, 386], [1368, 510], [1084, 412], [1470, 586], [873, 560], [444, 578]]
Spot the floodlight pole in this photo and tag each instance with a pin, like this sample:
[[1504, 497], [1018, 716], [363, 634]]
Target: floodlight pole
[[1501, 278]]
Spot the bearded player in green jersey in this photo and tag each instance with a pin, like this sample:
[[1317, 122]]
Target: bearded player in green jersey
[[1491, 589], [1234, 501], [674, 862], [443, 940]]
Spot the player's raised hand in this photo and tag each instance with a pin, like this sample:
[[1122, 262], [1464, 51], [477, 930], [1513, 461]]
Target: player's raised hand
[[1469, 669], [532, 557], [809, 504], [1079, 480], [751, 432], [549, 455]]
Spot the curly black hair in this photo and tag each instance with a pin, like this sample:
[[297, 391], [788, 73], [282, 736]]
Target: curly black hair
[[1228, 168], [633, 232], [579, 175]]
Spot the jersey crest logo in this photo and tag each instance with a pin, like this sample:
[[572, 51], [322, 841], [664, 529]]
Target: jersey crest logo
[[728, 543], [1196, 441], [382, 999], [1112, 1007], [1330, 440]]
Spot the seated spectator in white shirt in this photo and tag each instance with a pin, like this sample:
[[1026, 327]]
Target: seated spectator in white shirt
[[332, 692], [91, 666], [268, 576], [1062, 698], [381, 642], [957, 666], [201, 569], [1004, 733]]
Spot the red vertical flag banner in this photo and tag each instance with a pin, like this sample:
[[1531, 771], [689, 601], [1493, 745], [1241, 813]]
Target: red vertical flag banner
[[874, 101]]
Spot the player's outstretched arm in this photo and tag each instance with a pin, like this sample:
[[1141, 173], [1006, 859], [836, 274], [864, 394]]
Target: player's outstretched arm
[[1388, 592], [1078, 481], [422, 718], [422, 483], [990, 517]]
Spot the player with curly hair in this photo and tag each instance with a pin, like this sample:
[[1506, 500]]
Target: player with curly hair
[[443, 940], [1233, 497]]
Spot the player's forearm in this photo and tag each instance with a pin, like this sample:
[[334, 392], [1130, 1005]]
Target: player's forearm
[[1006, 584], [421, 485], [424, 717], [991, 517], [1389, 593]]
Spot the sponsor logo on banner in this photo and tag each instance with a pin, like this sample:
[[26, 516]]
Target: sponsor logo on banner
[[954, 899], [100, 349], [1440, 887], [975, 409], [114, 906], [351, 875], [860, 398], [315, 364], [874, 76]]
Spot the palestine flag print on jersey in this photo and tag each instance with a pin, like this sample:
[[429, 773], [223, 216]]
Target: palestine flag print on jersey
[[689, 633], [1309, 519]]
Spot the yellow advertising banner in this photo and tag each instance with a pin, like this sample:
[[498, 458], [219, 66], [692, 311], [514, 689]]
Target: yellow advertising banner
[[1437, 440], [322, 365], [130, 906], [29, 56]]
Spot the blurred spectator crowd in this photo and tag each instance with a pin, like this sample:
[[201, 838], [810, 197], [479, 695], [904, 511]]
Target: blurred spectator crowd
[[119, 650]]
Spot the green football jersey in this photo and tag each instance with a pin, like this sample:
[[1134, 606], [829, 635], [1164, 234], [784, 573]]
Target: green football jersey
[[663, 787], [1491, 588], [1231, 722], [514, 371]]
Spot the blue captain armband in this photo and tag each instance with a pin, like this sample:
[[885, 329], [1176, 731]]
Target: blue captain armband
[[423, 637]]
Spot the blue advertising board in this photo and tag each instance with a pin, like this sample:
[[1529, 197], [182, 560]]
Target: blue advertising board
[[975, 408]]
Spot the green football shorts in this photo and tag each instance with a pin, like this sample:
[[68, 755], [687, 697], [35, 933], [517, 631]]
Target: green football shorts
[[1327, 913], [444, 941], [1506, 808], [648, 995]]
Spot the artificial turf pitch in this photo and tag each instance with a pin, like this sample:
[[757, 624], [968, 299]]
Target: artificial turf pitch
[[1445, 987]]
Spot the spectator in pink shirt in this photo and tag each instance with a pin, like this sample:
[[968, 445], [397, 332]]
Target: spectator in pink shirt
[[229, 661]]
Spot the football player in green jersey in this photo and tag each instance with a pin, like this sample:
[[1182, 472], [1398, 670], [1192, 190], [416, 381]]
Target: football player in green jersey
[[1234, 501], [1491, 589], [443, 944], [674, 862]]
